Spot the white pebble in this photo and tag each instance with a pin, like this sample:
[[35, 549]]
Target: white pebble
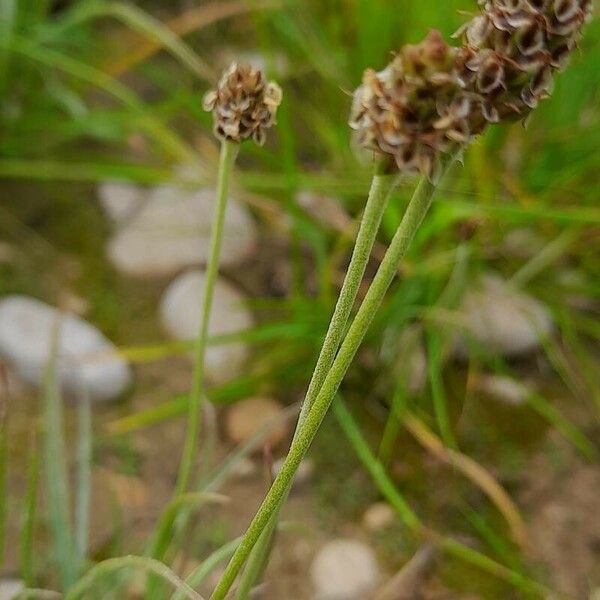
[[173, 231], [180, 311], [86, 359], [502, 320], [378, 516], [10, 588], [344, 569]]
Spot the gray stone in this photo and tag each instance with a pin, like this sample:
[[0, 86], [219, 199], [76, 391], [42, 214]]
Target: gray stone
[[120, 201], [344, 569], [86, 359], [502, 319], [172, 231], [503, 389], [10, 588], [180, 311]]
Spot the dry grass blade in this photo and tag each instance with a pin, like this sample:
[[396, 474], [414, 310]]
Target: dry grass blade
[[407, 584], [189, 21], [475, 472]]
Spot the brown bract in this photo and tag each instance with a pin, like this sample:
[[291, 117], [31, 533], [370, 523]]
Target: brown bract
[[244, 104], [514, 47], [417, 108]]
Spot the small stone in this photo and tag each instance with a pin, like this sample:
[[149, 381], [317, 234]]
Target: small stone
[[503, 389], [245, 468], [303, 474], [173, 231], [411, 363], [379, 516], [246, 418], [502, 320], [120, 201], [344, 569], [10, 588], [86, 359], [327, 211], [522, 243], [180, 311]]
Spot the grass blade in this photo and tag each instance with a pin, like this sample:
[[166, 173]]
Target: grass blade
[[55, 461], [29, 516], [110, 566], [84, 477]]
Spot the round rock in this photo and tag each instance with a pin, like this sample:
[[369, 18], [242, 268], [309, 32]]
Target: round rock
[[502, 320], [344, 569], [379, 516], [180, 311], [10, 588], [86, 359], [172, 231], [246, 418], [120, 201]]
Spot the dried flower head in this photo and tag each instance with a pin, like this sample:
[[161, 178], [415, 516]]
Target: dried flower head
[[514, 47], [244, 104], [416, 109]]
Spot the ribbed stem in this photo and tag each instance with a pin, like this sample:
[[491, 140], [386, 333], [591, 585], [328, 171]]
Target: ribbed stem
[[381, 188], [415, 212], [229, 151]]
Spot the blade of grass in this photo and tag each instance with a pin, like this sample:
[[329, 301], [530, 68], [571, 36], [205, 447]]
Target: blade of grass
[[108, 567], [208, 565], [55, 461], [567, 429], [4, 408], [438, 393], [84, 477], [389, 491], [191, 20], [8, 23], [26, 552], [393, 422], [474, 471], [159, 35], [170, 142], [160, 540]]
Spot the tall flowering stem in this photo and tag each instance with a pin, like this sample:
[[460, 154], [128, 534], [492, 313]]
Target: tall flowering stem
[[244, 106], [382, 186], [418, 114], [415, 212]]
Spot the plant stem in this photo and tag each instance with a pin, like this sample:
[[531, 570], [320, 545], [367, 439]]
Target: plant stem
[[109, 566], [84, 474], [381, 188], [229, 153], [56, 468], [415, 212]]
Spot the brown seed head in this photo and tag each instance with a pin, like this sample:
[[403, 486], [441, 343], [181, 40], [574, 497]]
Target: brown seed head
[[244, 104], [514, 47], [416, 109]]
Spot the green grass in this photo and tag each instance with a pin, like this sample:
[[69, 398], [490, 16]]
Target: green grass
[[67, 123]]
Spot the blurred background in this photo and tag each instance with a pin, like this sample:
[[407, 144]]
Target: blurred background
[[476, 394]]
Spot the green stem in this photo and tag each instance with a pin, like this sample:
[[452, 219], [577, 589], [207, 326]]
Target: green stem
[[109, 566], [381, 188], [415, 212], [229, 153], [84, 475]]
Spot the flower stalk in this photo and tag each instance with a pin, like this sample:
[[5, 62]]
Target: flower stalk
[[382, 187], [229, 152], [244, 106], [415, 212]]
